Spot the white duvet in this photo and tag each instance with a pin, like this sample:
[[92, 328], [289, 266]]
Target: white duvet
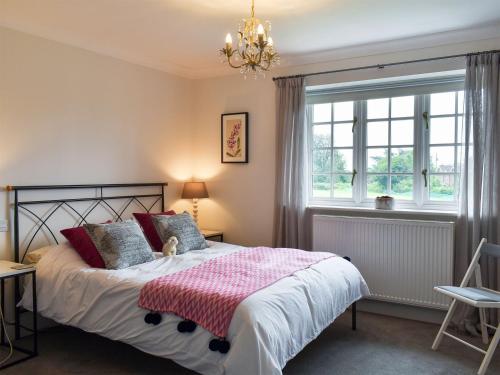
[[268, 328]]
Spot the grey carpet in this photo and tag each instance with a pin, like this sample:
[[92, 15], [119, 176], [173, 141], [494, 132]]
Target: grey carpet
[[381, 345]]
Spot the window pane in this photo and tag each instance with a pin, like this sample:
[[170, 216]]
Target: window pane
[[442, 130], [378, 108], [402, 160], [402, 132], [342, 135], [342, 186], [342, 160], [442, 159], [378, 133], [377, 160], [402, 106], [322, 136], [343, 111], [322, 162], [443, 103], [442, 187], [460, 107], [376, 185], [402, 187], [322, 186], [322, 112]]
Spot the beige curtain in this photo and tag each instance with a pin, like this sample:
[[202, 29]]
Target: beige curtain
[[291, 156], [479, 202]]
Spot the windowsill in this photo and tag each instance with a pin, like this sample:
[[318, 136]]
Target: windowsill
[[401, 211]]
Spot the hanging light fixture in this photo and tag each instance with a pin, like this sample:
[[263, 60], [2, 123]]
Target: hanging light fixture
[[255, 52]]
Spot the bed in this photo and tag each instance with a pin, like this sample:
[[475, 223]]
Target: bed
[[267, 329]]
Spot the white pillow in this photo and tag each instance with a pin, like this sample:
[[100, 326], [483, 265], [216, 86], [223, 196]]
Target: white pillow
[[34, 256]]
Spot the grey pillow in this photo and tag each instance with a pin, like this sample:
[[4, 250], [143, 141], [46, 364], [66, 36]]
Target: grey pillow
[[183, 227], [120, 245]]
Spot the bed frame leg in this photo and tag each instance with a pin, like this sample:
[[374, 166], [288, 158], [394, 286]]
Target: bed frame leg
[[353, 306], [353, 312]]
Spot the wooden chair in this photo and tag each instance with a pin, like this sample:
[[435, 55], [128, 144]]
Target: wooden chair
[[479, 297]]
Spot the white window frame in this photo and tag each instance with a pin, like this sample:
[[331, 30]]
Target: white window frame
[[359, 93]]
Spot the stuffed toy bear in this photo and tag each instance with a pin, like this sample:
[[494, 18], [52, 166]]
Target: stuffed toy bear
[[169, 248]]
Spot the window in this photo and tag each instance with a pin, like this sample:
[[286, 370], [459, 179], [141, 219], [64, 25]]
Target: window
[[398, 140]]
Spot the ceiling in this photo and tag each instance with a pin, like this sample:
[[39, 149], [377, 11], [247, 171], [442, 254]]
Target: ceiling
[[183, 36]]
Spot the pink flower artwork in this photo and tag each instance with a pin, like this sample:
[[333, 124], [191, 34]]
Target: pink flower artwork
[[234, 138], [234, 141]]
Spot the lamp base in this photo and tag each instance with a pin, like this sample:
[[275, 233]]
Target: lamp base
[[195, 210]]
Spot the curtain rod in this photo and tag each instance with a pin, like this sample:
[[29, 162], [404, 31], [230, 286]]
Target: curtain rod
[[382, 66]]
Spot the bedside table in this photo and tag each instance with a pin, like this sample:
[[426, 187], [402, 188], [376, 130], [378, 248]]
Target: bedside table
[[7, 272], [213, 235]]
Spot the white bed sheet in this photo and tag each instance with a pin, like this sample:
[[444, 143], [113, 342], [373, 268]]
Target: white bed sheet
[[268, 328]]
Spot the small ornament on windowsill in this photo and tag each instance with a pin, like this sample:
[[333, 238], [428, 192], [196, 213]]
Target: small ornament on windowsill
[[384, 202]]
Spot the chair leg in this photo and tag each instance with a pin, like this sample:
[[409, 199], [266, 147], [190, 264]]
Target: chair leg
[[484, 329], [446, 321], [489, 353]]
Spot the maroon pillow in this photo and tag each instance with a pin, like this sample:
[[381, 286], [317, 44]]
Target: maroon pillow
[[82, 243], [149, 229]]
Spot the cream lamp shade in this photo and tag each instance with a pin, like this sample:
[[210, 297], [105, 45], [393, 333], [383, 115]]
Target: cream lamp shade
[[194, 191]]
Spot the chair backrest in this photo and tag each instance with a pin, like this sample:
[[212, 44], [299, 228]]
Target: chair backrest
[[491, 250], [484, 248], [474, 267]]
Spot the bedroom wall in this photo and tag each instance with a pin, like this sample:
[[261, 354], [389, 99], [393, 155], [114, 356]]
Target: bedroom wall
[[62, 108], [68, 115], [242, 195]]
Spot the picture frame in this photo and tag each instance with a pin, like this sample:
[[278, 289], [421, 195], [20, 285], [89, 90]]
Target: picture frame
[[234, 137]]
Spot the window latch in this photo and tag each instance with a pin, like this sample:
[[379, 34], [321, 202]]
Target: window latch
[[354, 173], [425, 115], [354, 122], [424, 174]]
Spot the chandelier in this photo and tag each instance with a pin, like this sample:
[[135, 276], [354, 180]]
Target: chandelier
[[255, 52]]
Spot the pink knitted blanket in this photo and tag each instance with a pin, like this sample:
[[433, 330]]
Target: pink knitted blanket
[[209, 293]]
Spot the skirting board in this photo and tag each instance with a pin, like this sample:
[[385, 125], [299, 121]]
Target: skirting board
[[422, 314]]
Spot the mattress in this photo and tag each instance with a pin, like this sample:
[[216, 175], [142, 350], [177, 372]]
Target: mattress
[[268, 328]]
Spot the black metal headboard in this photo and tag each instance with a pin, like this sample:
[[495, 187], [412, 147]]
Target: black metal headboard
[[100, 199]]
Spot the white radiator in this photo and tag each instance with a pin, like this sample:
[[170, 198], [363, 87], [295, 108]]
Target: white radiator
[[401, 260]]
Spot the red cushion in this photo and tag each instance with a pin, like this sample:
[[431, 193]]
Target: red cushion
[[82, 243], [149, 229]]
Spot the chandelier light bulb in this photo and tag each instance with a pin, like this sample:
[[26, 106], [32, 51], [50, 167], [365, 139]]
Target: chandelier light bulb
[[270, 41], [260, 33], [229, 40]]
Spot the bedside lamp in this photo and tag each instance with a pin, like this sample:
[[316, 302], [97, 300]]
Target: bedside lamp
[[194, 191]]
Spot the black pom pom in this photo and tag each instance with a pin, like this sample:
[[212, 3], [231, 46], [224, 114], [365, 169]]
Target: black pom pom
[[224, 346], [214, 345], [220, 345], [181, 327], [152, 318], [156, 319], [147, 318], [190, 326], [186, 326]]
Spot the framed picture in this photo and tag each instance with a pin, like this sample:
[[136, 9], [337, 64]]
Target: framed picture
[[234, 137]]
